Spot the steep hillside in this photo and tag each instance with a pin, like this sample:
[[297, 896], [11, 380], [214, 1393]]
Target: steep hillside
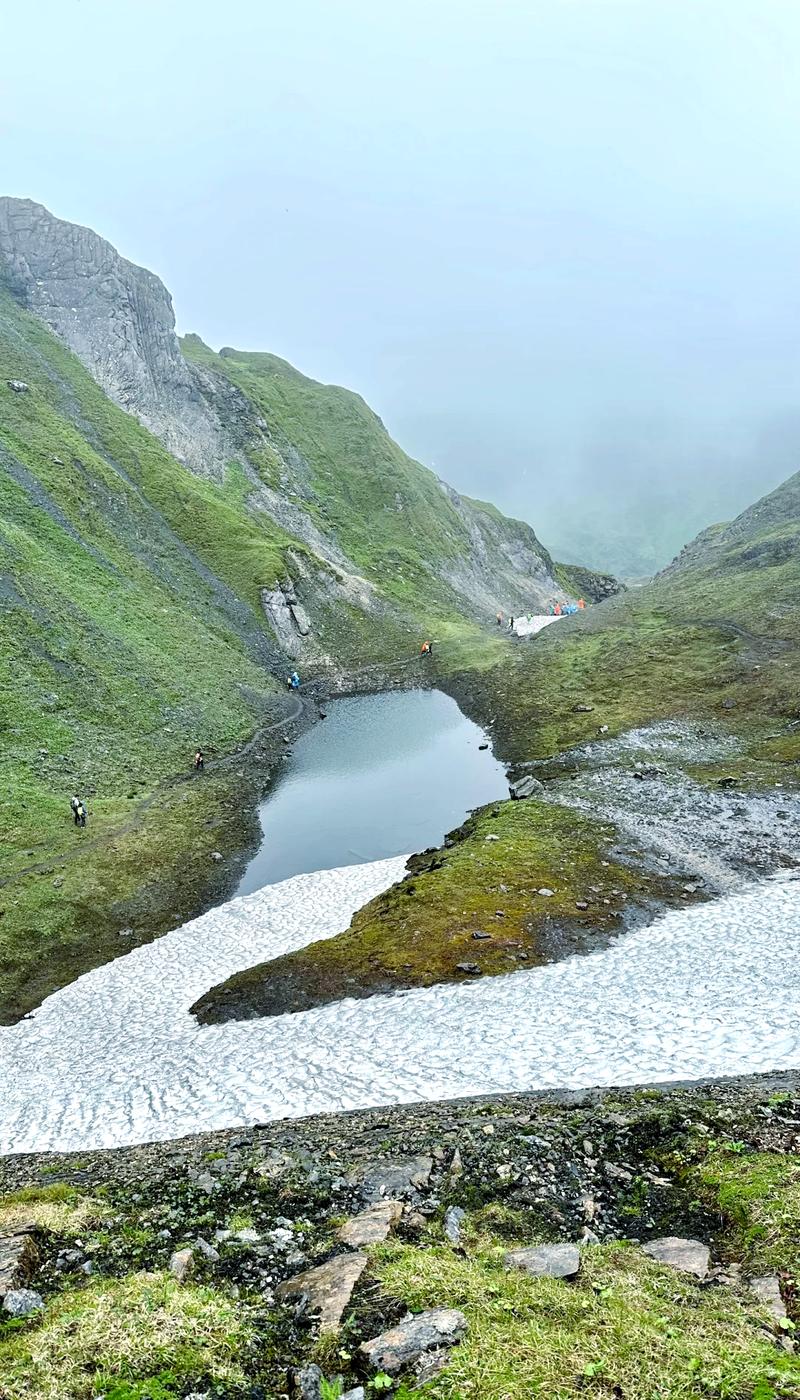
[[315, 460], [161, 566]]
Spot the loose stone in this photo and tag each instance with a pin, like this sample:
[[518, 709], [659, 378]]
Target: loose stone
[[545, 1260], [690, 1256], [401, 1346]]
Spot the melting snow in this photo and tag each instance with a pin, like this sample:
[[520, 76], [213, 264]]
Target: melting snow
[[115, 1058]]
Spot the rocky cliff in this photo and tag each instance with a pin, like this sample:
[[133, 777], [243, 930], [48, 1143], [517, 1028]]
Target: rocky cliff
[[312, 456]]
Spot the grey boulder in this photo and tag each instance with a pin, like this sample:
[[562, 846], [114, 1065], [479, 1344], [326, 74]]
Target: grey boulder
[[690, 1256], [525, 787], [401, 1346], [545, 1260], [21, 1302]]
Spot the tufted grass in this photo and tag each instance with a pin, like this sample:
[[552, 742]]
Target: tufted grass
[[117, 1332], [626, 1326]]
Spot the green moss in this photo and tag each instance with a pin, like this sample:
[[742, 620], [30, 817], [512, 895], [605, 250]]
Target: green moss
[[626, 1327], [759, 1195], [417, 932]]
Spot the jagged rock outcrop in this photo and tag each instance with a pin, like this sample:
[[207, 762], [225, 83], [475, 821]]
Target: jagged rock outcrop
[[118, 319]]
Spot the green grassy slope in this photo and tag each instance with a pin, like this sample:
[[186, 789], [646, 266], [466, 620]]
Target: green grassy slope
[[716, 637], [391, 515]]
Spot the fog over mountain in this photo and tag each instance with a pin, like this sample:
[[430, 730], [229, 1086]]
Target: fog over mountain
[[555, 246]]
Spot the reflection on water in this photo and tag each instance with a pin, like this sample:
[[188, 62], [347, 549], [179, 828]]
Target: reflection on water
[[382, 775]]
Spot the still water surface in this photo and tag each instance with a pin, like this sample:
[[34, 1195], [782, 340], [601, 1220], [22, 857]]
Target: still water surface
[[382, 775]]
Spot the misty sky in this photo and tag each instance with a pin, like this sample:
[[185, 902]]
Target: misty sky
[[553, 242]]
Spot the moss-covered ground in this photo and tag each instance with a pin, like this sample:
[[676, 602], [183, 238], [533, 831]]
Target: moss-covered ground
[[537, 881], [719, 1164]]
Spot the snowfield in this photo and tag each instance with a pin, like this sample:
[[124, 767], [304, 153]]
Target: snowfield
[[115, 1058]]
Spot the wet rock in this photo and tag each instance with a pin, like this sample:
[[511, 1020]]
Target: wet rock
[[18, 1257], [454, 1218], [403, 1345], [328, 1287], [21, 1302], [396, 1178], [525, 787], [372, 1225], [690, 1256], [767, 1289], [181, 1265], [545, 1260]]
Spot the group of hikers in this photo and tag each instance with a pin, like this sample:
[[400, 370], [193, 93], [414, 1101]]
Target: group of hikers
[[554, 609], [557, 609]]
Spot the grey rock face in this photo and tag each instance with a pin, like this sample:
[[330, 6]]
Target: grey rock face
[[545, 1260], [691, 1256], [401, 1346], [21, 1302]]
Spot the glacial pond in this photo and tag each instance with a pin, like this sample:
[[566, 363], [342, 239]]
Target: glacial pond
[[380, 776]]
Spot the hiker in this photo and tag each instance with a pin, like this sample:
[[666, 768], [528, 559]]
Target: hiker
[[294, 681], [74, 805], [80, 815], [499, 619], [426, 649], [199, 761], [557, 610], [581, 604], [511, 624]]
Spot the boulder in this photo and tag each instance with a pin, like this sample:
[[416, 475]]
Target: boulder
[[18, 1257], [18, 386], [690, 1256], [525, 787], [21, 1302], [372, 1225], [401, 1346], [471, 968], [545, 1260], [329, 1287], [395, 1179], [302, 621]]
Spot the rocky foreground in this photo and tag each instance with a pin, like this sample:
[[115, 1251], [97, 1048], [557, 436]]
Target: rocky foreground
[[629, 1243]]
